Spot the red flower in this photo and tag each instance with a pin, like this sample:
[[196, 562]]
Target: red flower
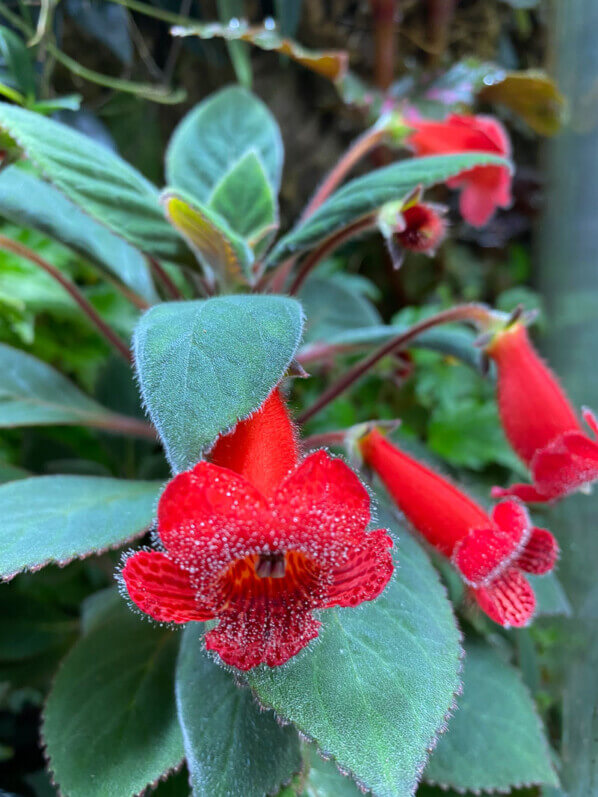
[[422, 228], [484, 188], [261, 548], [491, 552], [540, 422]]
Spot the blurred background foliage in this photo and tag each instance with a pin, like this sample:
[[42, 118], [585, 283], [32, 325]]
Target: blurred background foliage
[[113, 71]]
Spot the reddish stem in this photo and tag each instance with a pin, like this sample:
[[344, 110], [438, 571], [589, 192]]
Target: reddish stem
[[123, 424], [327, 247], [324, 440], [164, 278], [384, 14], [477, 314], [18, 249], [360, 147]]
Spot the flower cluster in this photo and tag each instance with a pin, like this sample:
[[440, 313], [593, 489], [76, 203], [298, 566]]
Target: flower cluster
[[257, 542]]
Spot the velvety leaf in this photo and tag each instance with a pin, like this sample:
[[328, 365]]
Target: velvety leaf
[[97, 180], [30, 202], [110, 724], [232, 747], [494, 740], [59, 518], [332, 64], [33, 393], [374, 689], [244, 197], [215, 135], [368, 193], [331, 307], [324, 779], [204, 365], [532, 95], [220, 251]]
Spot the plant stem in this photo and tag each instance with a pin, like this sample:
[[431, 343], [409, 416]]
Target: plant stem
[[384, 15], [157, 13], [327, 247], [477, 314], [123, 424], [360, 147], [164, 278], [22, 251]]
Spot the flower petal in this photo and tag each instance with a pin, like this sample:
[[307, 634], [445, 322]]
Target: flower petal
[[565, 465], [485, 553], [540, 554], [365, 574], [161, 589], [263, 634], [209, 516], [509, 600]]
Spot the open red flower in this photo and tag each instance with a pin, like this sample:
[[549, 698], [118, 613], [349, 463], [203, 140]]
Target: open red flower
[[540, 422], [491, 552], [260, 549], [483, 188]]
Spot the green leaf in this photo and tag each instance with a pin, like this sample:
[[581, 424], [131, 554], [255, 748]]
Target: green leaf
[[494, 740], [232, 747], [59, 518], [324, 779], [215, 135], [28, 201], [550, 596], [96, 179], [30, 626], [33, 394], [219, 250], [16, 62], [204, 365], [110, 724], [366, 194], [374, 690], [331, 307], [244, 197]]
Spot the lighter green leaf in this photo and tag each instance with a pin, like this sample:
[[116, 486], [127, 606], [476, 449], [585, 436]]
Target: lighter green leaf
[[54, 519], [550, 596], [96, 179], [232, 747], [366, 194], [494, 741], [204, 365], [32, 394], [373, 691], [28, 201], [331, 307], [215, 135], [110, 724]]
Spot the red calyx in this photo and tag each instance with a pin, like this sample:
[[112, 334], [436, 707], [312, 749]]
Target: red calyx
[[424, 228]]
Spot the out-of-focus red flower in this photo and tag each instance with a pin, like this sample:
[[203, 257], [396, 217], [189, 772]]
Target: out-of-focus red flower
[[491, 552], [540, 422], [483, 188], [422, 228], [258, 541]]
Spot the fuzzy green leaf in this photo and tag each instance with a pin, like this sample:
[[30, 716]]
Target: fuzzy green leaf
[[96, 179], [204, 365], [232, 747], [366, 194], [215, 136], [374, 690], [110, 724], [331, 308], [494, 740], [30, 202], [59, 518]]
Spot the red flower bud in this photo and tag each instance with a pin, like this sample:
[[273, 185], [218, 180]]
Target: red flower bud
[[540, 422], [423, 228], [491, 552], [259, 541], [483, 188]]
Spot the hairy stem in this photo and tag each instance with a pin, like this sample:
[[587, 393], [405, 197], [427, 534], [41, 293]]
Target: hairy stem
[[22, 251], [164, 278], [124, 424], [477, 314], [327, 247]]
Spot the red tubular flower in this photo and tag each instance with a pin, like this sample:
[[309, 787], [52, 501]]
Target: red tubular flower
[[423, 228], [258, 541], [540, 422], [491, 552], [484, 188]]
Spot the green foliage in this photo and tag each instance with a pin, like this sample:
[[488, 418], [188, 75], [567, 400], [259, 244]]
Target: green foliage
[[96, 179], [494, 740], [61, 518], [373, 691], [110, 725], [205, 365], [232, 746]]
